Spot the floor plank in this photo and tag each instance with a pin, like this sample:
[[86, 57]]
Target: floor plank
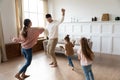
[[105, 67]]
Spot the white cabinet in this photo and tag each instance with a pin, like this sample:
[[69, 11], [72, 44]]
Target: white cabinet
[[96, 43], [86, 28], [116, 46], [104, 34], [116, 28], [106, 44], [95, 28]]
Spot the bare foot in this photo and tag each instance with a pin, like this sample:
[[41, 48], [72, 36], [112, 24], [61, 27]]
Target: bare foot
[[18, 77], [51, 63], [68, 64], [25, 76], [55, 65], [73, 68]]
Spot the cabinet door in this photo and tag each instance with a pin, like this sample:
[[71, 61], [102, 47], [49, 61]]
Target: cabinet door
[[116, 46], [86, 28], [106, 44], [96, 43]]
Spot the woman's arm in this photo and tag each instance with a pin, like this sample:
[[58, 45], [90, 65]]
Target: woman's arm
[[19, 39], [38, 29]]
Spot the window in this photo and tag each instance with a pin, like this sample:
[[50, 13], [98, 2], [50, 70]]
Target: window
[[35, 10]]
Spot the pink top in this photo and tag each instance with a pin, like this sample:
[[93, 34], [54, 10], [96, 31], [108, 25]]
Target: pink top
[[83, 60], [31, 38]]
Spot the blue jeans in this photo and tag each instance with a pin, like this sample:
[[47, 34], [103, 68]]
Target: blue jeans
[[70, 61], [88, 72], [28, 56]]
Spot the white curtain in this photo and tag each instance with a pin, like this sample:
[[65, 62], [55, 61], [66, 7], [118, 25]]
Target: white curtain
[[19, 15], [2, 45]]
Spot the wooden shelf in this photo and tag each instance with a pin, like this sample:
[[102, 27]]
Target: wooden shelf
[[14, 49], [38, 46]]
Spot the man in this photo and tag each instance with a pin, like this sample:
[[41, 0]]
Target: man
[[52, 28]]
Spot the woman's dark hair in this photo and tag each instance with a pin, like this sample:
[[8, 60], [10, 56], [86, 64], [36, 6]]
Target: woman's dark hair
[[26, 25], [67, 38], [87, 52], [48, 16]]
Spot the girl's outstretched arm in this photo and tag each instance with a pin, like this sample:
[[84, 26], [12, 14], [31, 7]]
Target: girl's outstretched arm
[[79, 53], [18, 40]]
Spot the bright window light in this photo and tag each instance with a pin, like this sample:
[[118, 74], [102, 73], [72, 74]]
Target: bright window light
[[34, 10]]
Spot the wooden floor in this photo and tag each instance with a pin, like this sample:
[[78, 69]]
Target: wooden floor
[[105, 67]]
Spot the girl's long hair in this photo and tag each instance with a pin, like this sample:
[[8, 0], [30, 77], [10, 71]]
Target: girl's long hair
[[87, 52], [26, 26]]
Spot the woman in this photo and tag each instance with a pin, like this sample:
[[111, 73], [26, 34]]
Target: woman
[[28, 38]]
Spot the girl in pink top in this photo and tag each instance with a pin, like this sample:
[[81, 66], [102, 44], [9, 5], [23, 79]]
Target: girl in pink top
[[28, 38], [86, 56]]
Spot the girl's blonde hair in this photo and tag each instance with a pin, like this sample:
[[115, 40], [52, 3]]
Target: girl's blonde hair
[[87, 52]]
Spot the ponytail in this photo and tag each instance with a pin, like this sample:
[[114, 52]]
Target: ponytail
[[24, 32], [26, 25]]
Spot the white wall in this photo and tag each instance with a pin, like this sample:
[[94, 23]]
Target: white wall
[[83, 9], [74, 8], [8, 19]]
